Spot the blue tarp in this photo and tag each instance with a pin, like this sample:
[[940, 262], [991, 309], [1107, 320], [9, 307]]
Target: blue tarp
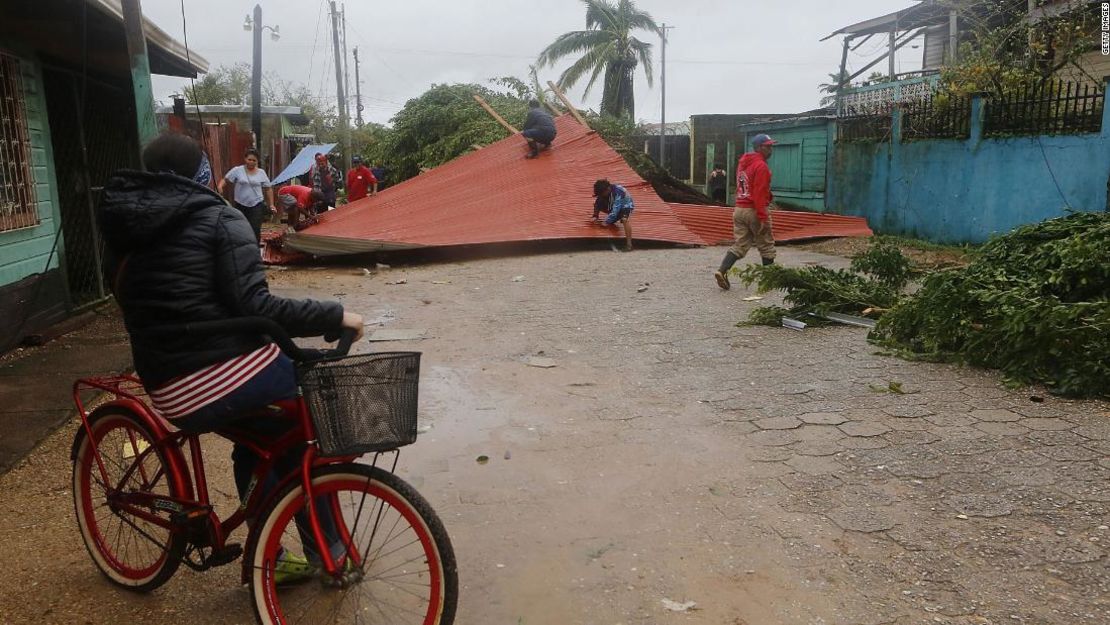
[[303, 161]]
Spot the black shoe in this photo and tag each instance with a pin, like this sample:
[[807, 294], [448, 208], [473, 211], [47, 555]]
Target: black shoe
[[722, 280], [768, 261]]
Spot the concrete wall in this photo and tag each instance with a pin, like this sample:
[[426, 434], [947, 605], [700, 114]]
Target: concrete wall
[[965, 191]]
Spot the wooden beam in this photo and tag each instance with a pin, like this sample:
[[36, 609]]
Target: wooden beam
[[566, 103], [493, 113]]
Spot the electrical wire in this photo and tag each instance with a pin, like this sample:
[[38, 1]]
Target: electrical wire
[[192, 81]]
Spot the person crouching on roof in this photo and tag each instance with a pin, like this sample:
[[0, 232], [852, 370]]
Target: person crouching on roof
[[539, 129], [614, 199], [301, 205]]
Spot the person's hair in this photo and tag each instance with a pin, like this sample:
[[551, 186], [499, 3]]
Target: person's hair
[[718, 166], [251, 152], [601, 186], [316, 195], [534, 104], [173, 153]]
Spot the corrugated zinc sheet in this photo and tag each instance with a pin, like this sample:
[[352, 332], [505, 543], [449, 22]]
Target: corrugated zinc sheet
[[713, 224], [495, 195]]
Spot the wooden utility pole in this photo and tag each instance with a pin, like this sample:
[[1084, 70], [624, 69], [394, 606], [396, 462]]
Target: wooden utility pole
[[566, 103], [346, 72], [663, 104], [493, 113], [140, 71], [344, 124], [256, 80], [358, 93]]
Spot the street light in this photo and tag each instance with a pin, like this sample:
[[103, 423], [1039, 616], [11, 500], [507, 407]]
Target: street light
[[255, 24]]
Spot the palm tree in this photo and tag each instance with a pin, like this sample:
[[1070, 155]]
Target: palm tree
[[607, 45]]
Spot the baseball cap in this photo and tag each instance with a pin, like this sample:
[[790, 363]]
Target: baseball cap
[[761, 139], [356, 159]]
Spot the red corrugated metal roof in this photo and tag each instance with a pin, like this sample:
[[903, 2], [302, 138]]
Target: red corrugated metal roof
[[714, 224], [495, 195]]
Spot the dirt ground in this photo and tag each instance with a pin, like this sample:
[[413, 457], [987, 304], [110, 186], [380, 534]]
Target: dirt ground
[[762, 473]]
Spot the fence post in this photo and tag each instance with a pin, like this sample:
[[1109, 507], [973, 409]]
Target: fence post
[[730, 167], [1105, 109], [710, 155], [975, 127]]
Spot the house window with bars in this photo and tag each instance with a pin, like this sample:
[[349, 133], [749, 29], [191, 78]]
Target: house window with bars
[[18, 208]]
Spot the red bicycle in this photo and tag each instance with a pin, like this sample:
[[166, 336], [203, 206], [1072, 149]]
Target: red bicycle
[[143, 508]]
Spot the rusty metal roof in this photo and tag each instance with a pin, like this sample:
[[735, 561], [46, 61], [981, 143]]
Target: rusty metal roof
[[495, 195], [714, 224]]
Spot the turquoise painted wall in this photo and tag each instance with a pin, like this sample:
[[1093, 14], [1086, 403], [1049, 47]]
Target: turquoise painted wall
[[799, 162], [24, 252], [965, 191]]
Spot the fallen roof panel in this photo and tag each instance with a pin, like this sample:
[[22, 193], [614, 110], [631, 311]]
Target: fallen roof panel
[[713, 224], [495, 195]]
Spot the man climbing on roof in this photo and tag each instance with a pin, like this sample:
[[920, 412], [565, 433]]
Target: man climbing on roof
[[751, 220], [614, 199], [539, 129]]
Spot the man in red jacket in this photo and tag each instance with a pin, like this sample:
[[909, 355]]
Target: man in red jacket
[[751, 220], [359, 180]]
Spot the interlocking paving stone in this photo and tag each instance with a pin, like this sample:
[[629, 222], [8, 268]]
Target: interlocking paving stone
[[995, 414], [773, 438], [995, 428], [863, 429], [823, 418], [815, 465], [980, 505], [907, 412], [778, 423], [1046, 424], [866, 520]]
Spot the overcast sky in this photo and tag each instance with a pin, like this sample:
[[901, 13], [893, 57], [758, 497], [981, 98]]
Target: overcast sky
[[723, 56]]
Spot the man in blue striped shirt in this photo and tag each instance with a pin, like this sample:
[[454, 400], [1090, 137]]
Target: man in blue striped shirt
[[614, 199]]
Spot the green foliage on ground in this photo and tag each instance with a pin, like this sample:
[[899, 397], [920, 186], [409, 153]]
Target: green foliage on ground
[[885, 262], [818, 290], [1035, 304]]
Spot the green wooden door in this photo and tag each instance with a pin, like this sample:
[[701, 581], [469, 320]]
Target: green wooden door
[[786, 167]]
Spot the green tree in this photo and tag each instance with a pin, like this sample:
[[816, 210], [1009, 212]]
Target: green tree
[[836, 82], [443, 123], [222, 85], [607, 48]]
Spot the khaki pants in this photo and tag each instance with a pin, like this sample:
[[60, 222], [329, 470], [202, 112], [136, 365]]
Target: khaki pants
[[750, 231]]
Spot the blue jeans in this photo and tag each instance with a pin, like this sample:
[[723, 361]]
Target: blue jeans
[[276, 382]]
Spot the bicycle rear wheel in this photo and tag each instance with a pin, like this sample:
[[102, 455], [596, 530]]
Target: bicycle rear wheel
[[131, 551], [400, 561]]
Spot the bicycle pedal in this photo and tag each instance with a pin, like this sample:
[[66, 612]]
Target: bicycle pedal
[[227, 555]]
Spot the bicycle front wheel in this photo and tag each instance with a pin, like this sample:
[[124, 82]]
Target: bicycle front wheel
[[399, 564]]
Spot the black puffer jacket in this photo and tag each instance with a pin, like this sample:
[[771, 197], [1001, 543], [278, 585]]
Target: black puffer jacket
[[177, 253]]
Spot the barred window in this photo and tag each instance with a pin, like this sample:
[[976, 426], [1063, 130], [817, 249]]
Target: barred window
[[18, 208]]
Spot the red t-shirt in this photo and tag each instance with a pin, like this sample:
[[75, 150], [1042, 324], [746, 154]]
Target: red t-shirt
[[301, 193], [359, 180]]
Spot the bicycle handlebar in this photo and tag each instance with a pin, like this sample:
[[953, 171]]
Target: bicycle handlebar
[[269, 327]]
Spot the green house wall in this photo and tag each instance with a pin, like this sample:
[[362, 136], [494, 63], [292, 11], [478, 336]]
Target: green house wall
[[800, 161], [24, 252]]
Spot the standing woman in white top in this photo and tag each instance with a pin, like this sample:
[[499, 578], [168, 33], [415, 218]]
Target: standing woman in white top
[[253, 194]]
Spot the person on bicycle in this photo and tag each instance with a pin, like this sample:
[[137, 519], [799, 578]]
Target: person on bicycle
[[178, 253]]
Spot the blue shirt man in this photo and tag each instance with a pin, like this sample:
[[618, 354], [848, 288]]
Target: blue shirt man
[[617, 202]]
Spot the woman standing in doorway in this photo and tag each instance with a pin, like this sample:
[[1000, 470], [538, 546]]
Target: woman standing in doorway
[[253, 193]]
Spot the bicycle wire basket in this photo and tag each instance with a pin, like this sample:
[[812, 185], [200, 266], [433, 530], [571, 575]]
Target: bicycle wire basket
[[362, 404]]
